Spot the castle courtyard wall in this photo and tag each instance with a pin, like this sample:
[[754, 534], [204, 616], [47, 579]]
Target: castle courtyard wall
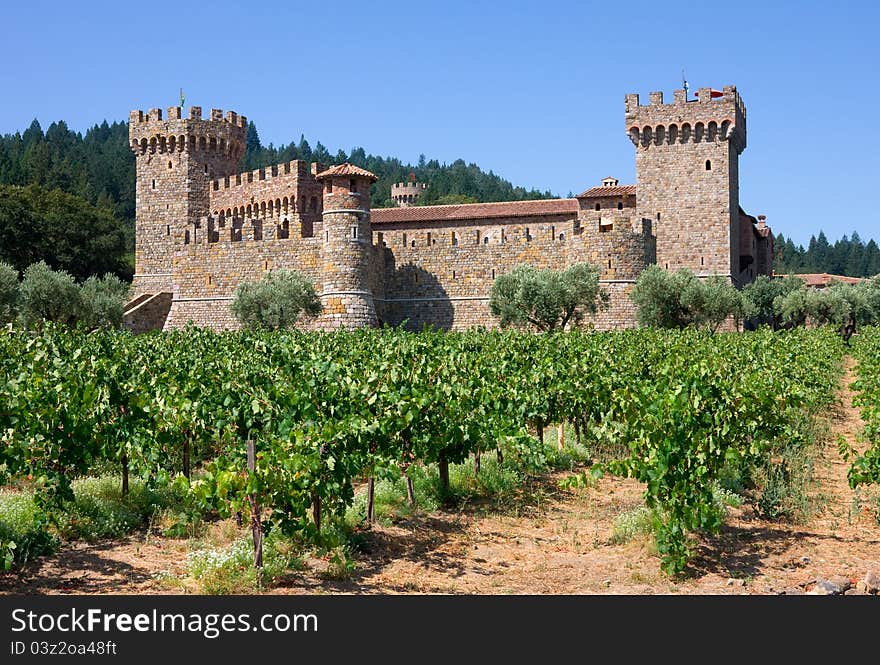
[[448, 285]]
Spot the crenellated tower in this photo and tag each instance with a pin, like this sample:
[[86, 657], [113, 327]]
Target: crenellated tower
[[687, 170], [405, 194], [177, 158], [346, 247]]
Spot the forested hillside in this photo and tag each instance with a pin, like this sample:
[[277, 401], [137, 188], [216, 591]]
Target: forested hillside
[[457, 182], [849, 256]]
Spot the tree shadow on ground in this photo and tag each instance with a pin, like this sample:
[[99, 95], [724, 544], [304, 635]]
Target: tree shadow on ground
[[82, 570]]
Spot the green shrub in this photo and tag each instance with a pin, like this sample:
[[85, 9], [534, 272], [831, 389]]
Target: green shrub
[[102, 300], [276, 301], [48, 295], [8, 293], [23, 533]]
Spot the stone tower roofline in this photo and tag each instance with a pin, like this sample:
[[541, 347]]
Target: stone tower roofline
[[410, 185], [687, 120], [149, 132], [346, 169]]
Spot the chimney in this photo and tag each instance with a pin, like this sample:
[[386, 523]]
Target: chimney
[[609, 182], [762, 221]]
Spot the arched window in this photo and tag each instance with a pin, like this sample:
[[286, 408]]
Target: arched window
[[598, 207], [620, 205], [708, 165]]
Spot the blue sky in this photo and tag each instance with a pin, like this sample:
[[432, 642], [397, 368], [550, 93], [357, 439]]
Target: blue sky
[[533, 91]]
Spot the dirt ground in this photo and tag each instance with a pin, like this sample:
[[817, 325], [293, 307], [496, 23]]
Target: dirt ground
[[558, 545]]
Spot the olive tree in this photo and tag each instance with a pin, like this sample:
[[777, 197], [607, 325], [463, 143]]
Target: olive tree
[[278, 300], [547, 300], [759, 297], [48, 295], [679, 299], [102, 300]]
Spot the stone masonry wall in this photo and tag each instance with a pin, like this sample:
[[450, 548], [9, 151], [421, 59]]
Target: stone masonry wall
[[206, 275], [283, 191], [346, 253], [148, 314], [406, 194], [447, 283]]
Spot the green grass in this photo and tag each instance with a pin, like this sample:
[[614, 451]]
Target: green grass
[[97, 511], [632, 524], [100, 511], [230, 570]]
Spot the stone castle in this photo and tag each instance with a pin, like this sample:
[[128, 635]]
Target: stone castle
[[202, 226]]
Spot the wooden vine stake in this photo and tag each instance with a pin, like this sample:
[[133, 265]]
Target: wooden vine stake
[[256, 522], [560, 436], [410, 491], [371, 496], [124, 474], [186, 454]]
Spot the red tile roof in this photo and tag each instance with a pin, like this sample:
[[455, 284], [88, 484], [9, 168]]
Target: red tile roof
[[346, 169], [820, 280], [475, 211], [599, 192]]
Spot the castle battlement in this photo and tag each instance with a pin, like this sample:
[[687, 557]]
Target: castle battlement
[[405, 194], [138, 117], [707, 118], [297, 167], [279, 190]]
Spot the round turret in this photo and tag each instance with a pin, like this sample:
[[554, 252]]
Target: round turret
[[405, 194], [346, 247]]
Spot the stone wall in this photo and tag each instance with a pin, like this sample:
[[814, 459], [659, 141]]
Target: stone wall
[[275, 193], [206, 275], [147, 312], [442, 275]]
